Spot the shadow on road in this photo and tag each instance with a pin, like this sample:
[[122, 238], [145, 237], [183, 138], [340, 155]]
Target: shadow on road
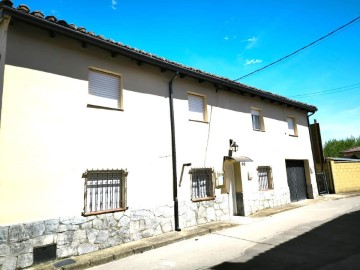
[[337, 241]]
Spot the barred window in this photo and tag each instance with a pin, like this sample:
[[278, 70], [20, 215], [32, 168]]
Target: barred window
[[265, 177], [202, 186], [105, 191]]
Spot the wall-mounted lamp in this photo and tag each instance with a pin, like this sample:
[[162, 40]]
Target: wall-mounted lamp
[[233, 147]]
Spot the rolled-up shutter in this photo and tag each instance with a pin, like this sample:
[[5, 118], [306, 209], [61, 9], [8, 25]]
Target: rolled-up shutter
[[196, 107], [104, 89]]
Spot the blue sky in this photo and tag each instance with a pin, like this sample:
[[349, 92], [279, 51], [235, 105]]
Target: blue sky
[[232, 38]]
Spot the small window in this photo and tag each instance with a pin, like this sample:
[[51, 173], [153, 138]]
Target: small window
[[292, 128], [105, 89], [265, 177], [202, 184], [105, 191], [257, 120], [197, 107]]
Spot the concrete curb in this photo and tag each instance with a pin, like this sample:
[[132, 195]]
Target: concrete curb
[[124, 250]]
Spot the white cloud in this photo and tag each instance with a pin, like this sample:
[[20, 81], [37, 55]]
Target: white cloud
[[113, 4], [250, 42], [226, 37], [252, 61]]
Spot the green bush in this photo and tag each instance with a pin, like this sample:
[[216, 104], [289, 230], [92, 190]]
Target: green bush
[[333, 148]]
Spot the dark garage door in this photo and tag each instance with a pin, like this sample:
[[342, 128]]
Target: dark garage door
[[296, 180]]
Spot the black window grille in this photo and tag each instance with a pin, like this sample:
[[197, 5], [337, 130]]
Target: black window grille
[[265, 178], [202, 184], [105, 191]]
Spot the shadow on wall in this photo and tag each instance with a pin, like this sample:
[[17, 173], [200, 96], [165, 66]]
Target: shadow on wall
[[333, 245]]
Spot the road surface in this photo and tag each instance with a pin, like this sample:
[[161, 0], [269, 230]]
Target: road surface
[[318, 236]]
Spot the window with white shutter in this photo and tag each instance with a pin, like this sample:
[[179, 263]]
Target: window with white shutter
[[105, 89], [292, 128], [257, 119], [197, 107]]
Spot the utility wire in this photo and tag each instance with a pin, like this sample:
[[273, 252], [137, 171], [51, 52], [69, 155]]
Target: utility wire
[[330, 91], [297, 51]]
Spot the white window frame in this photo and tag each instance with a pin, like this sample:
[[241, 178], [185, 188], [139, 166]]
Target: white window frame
[[105, 89], [257, 119], [292, 126], [197, 107]]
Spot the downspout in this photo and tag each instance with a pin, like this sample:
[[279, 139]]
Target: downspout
[[173, 150]]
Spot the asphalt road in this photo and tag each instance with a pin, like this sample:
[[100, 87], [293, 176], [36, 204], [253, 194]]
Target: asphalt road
[[319, 236]]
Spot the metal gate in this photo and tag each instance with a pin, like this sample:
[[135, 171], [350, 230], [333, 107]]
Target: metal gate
[[296, 179], [322, 183]]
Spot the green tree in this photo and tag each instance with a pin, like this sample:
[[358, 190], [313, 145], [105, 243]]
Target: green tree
[[333, 147]]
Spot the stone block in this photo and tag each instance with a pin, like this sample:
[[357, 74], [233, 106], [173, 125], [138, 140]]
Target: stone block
[[147, 233], [99, 224], [4, 250], [35, 229], [111, 222], [4, 234], [17, 233], [114, 241], [65, 238], [79, 237], [9, 263], [118, 215], [86, 225], [102, 237], [21, 248], [91, 235], [141, 214], [66, 251], [25, 260], [43, 240], [73, 220], [86, 248], [134, 226], [210, 213], [124, 221], [135, 236], [51, 226], [123, 231], [166, 226]]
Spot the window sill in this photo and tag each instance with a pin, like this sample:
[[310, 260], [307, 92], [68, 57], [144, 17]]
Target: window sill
[[199, 121], [203, 199], [104, 212], [103, 107]]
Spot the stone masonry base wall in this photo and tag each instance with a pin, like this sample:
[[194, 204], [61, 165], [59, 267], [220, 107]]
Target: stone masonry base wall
[[254, 202], [79, 235]]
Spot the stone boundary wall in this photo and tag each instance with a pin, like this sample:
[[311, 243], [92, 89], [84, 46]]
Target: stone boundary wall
[[345, 176], [79, 235], [254, 202]]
